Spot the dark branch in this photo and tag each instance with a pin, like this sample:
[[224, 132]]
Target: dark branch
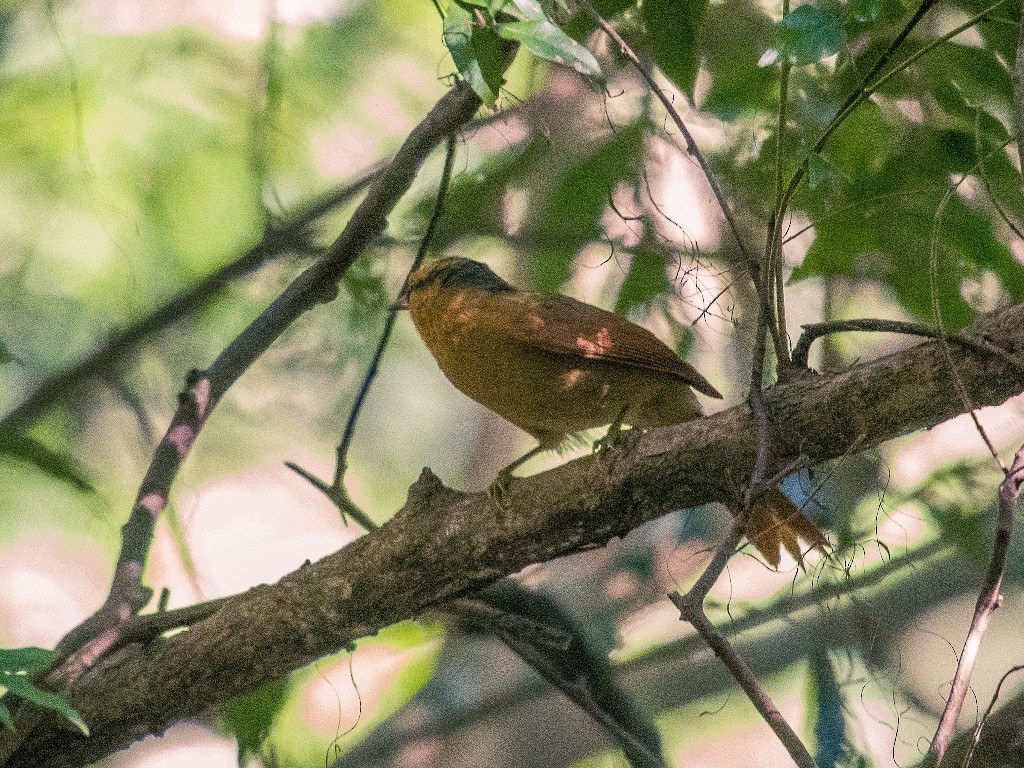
[[445, 544], [989, 599], [317, 284], [287, 234]]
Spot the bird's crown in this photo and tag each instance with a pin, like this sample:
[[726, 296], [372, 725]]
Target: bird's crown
[[454, 273]]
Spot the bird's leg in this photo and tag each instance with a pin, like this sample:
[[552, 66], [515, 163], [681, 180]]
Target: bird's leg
[[615, 439], [611, 438], [500, 486]]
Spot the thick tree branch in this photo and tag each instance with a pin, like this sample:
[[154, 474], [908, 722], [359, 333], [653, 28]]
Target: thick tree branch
[[445, 544]]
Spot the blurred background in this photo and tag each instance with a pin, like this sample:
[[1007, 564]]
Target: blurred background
[[147, 146]]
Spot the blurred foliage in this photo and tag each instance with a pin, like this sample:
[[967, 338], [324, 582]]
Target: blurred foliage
[[142, 154], [250, 717], [17, 666]]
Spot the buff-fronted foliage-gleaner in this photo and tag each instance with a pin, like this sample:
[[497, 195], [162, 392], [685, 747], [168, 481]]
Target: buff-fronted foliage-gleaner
[[555, 366]]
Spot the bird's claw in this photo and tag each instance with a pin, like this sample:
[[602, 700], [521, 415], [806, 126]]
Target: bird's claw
[[616, 443], [498, 490]]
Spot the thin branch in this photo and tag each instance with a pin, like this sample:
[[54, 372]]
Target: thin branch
[[371, 374], [691, 145], [336, 491], [976, 737], [926, 49], [288, 234], [317, 284], [833, 607], [1018, 92], [989, 599], [868, 88], [814, 331], [933, 287], [693, 612], [855, 99], [445, 544], [774, 246]]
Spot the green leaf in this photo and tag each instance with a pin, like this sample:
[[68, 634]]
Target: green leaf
[[808, 34], [29, 660], [646, 279], [882, 226], [530, 10], [6, 356], [5, 713], [580, 25], [57, 466], [544, 39], [818, 171], [733, 36], [865, 10], [250, 717], [487, 48], [672, 27], [17, 666], [460, 37]]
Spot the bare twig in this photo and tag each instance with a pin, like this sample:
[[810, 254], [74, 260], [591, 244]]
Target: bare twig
[[854, 100], [773, 247], [976, 737], [445, 544], [288, 234], [336, 491], [989, 599], [693, 612], [835, 603], [814, 331], [691, 144], [1018, 92], [933, 286]]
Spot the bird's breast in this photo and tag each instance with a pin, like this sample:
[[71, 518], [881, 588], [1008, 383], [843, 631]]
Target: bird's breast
[[548, 394]]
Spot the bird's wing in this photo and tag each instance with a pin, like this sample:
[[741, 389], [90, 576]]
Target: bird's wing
[[565, 326]]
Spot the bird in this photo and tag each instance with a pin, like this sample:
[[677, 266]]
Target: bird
[[555, 366]]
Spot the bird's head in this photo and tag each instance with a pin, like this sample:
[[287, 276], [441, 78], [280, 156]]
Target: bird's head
[[451, 274]]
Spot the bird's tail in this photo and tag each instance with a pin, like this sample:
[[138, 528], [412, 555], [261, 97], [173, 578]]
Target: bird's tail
[[776, 522]]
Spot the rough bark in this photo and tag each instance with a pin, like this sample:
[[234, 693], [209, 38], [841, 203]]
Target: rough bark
[[444, 543]]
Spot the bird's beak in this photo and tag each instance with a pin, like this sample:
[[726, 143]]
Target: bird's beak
[[402, 302]]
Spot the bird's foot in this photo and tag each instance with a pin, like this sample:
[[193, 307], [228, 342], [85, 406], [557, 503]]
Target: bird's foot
[[616, 444], [498, 490]]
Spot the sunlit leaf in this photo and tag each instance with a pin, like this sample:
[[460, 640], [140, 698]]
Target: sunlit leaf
[[544, 39], [808, 34], [17, 666]]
